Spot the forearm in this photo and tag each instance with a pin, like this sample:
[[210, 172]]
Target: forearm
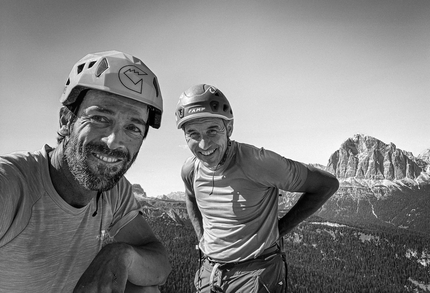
[[303, 209], [149, 264], [308, 204], [118, 262]]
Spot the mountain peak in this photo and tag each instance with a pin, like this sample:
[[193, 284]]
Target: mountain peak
[[425, 155], [366, 157]]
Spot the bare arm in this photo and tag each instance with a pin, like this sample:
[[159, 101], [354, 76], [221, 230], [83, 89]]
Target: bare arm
[[194, 213], [136, 256], [318, 188]]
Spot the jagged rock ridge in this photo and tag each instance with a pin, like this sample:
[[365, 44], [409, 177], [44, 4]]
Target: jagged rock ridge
[[365, 157], [178, 196]]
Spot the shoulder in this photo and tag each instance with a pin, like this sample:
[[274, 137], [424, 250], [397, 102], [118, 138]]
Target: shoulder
[[262, 156], [22, 162], [251, 154], [21, 183], [14, 162], [188, 167], [270, 168], [17, 167]]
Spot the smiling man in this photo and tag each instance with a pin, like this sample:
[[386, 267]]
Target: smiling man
[[232, 192], [68, 217]]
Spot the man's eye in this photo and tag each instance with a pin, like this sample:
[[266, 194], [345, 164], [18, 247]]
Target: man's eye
[[99, 119], [193, 135], [135, 129], [212, 132]]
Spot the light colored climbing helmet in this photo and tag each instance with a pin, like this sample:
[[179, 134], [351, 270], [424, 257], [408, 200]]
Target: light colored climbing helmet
[[202, 101], [118, 73]]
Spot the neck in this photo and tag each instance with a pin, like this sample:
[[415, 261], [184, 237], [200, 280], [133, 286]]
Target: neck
[[223, 159], [64, 182]]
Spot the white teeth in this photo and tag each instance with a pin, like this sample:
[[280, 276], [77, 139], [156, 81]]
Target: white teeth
[[106, 159], [207, 153]]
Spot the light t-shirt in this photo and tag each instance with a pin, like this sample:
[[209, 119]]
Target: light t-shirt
[[46, 244], [239, 201]]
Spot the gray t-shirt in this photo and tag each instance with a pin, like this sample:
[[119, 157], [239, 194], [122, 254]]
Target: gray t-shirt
[[46, 244], [239, 201]]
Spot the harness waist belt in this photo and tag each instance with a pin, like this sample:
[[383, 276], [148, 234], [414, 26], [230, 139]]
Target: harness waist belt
[[274, 249]]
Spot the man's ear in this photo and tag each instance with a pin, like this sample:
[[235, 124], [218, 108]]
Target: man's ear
[[65, 119]]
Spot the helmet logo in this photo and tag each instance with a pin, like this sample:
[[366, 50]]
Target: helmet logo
[[196, 110], [132, 78], [212, 89], [181, 113]]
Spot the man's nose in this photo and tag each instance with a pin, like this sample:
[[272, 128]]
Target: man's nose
[[114, 139], [204, 142]]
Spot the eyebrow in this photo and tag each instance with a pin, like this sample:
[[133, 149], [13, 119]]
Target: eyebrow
[[138, 121], [108, 111]]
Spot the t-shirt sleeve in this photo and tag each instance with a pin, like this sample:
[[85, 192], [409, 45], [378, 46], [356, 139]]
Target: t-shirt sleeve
[[273, 170], [15, 207], [187, 175], [8, 203]]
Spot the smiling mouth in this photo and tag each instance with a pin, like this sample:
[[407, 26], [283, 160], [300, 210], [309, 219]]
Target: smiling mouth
[[207, 153], [107, 159]]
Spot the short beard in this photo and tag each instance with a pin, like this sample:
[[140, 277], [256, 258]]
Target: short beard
[[104, 178]]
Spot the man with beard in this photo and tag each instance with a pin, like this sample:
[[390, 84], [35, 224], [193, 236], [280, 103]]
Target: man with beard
[[68, 217], [232, 192]]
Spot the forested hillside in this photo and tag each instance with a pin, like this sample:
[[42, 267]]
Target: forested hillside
[[322, 257]]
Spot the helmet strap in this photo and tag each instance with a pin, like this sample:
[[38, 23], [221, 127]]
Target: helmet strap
[[224, 158], [74, 107]]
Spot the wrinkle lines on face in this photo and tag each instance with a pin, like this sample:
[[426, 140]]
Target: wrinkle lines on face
[[207, 139]]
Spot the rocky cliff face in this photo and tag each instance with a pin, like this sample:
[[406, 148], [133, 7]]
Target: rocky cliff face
[[379, 184], [365, 157], [425, 156]]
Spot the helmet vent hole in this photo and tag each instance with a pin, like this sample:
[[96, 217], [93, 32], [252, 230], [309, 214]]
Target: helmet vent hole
[[214, 106], [103, 66], [225, 108], [91, 64], [68, 81], [80, 67]]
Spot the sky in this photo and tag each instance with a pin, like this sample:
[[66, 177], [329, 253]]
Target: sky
[[301, 76]]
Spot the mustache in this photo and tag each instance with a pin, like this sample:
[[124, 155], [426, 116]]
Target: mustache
[[101, 148]]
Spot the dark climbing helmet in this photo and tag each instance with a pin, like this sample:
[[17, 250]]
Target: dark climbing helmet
[[202, 101]]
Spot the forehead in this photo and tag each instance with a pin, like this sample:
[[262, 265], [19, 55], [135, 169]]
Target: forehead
[[202, 123], [99, 100]]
